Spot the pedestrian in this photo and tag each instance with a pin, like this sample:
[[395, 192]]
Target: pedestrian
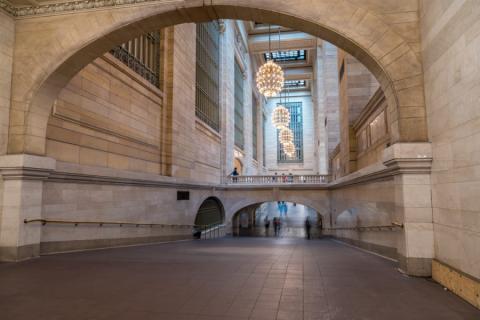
[[275, 177], [276, 226], [267, 225], [234, 175], [308, 226], [285, 209]]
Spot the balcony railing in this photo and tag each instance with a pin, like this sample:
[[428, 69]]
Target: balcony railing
[[278, 179]]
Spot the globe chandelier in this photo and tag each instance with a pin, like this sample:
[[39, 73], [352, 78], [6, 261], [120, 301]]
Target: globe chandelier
[[285, 135], [270, 75], [289, 149], [280, 117]]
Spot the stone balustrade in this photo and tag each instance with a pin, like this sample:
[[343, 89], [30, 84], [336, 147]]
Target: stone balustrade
[[278, 179]]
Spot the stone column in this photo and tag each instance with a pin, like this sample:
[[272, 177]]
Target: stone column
[[227, 99], [21, 198], [321, 139], [413, 205]]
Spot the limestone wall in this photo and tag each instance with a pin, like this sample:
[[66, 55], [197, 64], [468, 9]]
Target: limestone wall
[[7, 39], [450, 49], [363, 205], [107, 116], [113, 203], [356, 86]]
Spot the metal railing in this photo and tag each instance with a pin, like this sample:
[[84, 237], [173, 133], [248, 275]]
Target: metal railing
[[394, 225], [212, 231], [278, 179], [102, 223]]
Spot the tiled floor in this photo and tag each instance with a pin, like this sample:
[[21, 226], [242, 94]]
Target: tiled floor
[[239, 278]]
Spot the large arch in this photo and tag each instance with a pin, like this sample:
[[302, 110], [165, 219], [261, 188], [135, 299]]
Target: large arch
[[50, 50]]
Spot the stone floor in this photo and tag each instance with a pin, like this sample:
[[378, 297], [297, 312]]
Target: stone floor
[[233, 278]]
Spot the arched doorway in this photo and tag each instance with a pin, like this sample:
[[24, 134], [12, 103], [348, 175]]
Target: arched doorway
[[239, 165], [258, 220], [210, 212]]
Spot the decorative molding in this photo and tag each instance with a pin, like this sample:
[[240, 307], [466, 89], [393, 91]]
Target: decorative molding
[[68, 7], [7, 7]]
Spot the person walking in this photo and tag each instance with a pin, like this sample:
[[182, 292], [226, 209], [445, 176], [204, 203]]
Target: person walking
[[276, 226], [267, 225], [308, 226]]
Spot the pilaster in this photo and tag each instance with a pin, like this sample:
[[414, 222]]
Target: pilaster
[[413, 205], [21, 198]]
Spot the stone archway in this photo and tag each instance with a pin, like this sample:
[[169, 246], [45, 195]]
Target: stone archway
[[249, 220], [50, 50]]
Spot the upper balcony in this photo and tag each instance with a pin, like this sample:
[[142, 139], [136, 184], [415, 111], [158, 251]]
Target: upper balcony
[[278, 180]]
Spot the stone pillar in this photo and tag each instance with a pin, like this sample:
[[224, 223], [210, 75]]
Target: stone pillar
[[227, 99], [318, 97], [21, 198], [413, 205]]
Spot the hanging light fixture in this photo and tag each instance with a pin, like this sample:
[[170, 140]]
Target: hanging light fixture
[[280, 117], [289, 149], [270, 76], [285, 135]]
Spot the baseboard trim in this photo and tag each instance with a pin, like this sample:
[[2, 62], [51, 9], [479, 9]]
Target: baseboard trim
[[384, 251], [460, 283], [54, 247]]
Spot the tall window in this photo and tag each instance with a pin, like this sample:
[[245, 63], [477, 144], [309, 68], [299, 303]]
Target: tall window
[[142, 55], [239, 139], [254, 126], [207, 106], [296, 125]]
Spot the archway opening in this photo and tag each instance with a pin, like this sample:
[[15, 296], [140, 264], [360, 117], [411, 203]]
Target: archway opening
[[211, 212], [40, 94], [277, 219]]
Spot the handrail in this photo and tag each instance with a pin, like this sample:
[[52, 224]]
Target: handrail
[[392, 226], [101, 223]]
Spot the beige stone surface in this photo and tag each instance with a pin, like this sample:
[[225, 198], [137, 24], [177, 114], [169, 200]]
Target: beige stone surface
[[451, 43], [107, 116], [63, 46], [7, 41]]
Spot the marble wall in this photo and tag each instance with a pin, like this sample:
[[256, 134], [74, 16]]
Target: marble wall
[[450, 50]]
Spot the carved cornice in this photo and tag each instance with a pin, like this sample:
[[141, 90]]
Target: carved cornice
[[68, 7], [22, 173], [7, 7]]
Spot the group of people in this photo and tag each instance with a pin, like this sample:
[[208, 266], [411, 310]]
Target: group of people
[[283, 178], [277, 221], [277, 224]]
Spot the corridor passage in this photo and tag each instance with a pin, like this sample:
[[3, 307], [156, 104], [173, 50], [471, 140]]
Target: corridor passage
[[232, 278]]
